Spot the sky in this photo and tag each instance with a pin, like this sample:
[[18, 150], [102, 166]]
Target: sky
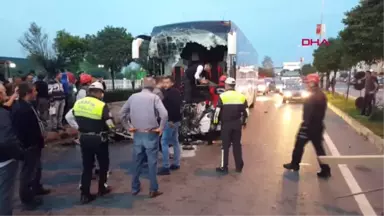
[[275, 27]]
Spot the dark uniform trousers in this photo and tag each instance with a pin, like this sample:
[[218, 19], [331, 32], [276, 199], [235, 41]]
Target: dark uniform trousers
[[30, 175], [91, 146], [231, 135], [368, 104], [302, 138]]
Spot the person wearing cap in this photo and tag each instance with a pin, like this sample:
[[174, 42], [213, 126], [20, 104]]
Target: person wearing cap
[[139, 115], [91, 116], [85, 81], [312, 127], [232, 112]]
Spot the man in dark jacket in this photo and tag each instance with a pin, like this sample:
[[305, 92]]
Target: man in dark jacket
[[312, 127], [10, 152], [195, 74], [172, 102], [29, 129], [42, 98]]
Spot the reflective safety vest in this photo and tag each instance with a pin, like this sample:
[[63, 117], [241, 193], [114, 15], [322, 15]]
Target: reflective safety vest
[[232, 97], [232, 106], [89, 107]]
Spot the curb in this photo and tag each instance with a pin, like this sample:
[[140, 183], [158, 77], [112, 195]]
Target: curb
[[359, 128], [345, 94]]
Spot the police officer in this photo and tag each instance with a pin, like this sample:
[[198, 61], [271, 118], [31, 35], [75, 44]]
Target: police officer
[[94, 120], [232, 109], [312, 127]]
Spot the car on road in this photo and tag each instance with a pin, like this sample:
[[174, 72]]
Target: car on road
[[262, 87], [295, 93], [272, 86], [279, 85], [381, 82]]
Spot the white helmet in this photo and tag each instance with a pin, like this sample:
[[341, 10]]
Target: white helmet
[[230, 81], [96, 85]]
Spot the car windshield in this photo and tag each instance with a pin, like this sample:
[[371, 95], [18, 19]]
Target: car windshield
[[294, 87], [287, 73], [278, 82]]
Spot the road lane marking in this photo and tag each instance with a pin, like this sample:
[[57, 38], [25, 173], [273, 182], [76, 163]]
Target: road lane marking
[[361, 199]]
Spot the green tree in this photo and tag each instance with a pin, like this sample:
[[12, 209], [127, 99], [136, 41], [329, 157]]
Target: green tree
[[40, 51], [263, 72], [328, 58], [72, 48], [110, 47], [267, 62], [308, 69], [363, 34]]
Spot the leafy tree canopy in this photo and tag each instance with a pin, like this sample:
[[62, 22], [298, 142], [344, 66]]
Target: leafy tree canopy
[[72, 48], [363, 34], [267, 62], [308, 69], [39, 49], [328, 58], [110, 47], [263, 72]]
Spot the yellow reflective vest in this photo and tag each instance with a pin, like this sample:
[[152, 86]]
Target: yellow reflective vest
[[89, 107], [232, 106]]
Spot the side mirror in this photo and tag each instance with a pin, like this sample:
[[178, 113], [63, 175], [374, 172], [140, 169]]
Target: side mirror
[[136, 43], [232, 45]]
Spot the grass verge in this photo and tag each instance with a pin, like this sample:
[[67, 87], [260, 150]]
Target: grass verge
[[348, 106]]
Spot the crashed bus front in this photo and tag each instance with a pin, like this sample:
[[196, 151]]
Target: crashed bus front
[[171, 48]]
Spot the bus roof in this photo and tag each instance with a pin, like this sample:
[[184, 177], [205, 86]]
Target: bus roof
[[212, 26]]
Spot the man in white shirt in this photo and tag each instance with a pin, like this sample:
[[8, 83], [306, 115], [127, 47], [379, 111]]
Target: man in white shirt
[[195, 74]]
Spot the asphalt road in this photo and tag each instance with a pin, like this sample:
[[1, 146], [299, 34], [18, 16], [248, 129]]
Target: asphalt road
[[342, 87], [264, 187]]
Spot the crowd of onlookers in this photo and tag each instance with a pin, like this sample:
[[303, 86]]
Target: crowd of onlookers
[[30, 106], [55, 95]]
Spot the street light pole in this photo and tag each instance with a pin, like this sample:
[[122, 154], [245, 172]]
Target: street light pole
[[321, 18]]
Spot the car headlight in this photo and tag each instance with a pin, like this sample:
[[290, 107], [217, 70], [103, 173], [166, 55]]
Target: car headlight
[[288, 94], [305, 94]]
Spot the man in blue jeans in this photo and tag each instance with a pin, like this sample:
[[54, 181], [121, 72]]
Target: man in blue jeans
[[140, 115], [172, 102]]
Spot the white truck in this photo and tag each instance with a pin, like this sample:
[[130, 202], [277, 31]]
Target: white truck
[[291, 72]]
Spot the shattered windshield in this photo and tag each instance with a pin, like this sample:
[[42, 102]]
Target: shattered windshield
[[168, 45]]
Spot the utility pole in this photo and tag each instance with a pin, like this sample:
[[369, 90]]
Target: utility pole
[[321, 19]]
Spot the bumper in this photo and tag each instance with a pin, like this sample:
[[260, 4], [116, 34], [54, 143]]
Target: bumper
[[294, 98]]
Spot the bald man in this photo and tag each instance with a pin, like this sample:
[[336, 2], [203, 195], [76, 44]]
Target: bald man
[[140, 116]]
